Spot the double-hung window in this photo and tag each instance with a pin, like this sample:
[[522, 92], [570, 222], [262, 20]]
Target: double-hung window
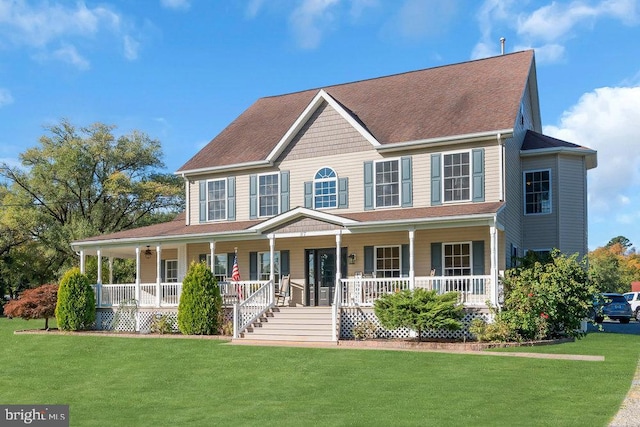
[[268, 194], [325, 189], [217, 199], [457, 177], [171, 271], [387, 183], [219, 266], [457, 259], [264, 266], [388, 261], [537, 192]]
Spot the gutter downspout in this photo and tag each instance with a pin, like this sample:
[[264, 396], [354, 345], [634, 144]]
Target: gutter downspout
[[186, 200], [502, 164]]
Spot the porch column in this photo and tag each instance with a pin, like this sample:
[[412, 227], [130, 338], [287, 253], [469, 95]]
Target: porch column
[[338, 260], [212, 252], [99, 279], [82, 268], [412, 274], [137, 290], [158, 275], [272, 276], [494, 265], [111, 270]]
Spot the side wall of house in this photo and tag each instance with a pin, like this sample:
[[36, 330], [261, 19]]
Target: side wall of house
[[540, 231], [572, 205]]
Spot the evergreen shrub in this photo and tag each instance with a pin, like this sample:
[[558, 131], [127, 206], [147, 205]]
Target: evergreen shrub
[[76, 307], [200, 302]]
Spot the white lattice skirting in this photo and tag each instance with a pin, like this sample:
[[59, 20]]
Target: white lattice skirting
[[140, 319], [352, 317]]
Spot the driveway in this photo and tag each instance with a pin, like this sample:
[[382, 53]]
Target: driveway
[[616, 327]]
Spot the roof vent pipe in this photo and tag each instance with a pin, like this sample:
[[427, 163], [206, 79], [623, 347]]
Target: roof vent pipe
[[502, 40]]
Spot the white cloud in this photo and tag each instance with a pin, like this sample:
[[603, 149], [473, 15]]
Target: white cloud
[[607, 120], [310, 20], [39, 26], [5, 97], [418, 19], [253, 8], [131, 47], [176, 4]]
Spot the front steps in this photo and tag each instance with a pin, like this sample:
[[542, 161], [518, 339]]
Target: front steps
[[300, 324]]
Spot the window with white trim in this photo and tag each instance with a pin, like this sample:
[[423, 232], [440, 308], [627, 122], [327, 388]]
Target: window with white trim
[[171, 271], [457, 259], [537, 192], [268, 194], [457, 176], [387, 183], [216, 199], [219, 267], [264, 265], [325, 189], [387, 261]]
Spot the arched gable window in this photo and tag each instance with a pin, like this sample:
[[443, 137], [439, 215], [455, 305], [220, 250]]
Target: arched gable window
[[325, 189]]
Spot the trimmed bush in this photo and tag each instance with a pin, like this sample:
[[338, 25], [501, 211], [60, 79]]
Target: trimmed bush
[[419, 310], [200, 302], [76, 308]]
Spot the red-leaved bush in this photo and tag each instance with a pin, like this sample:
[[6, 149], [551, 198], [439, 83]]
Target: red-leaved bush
[[37, 303]]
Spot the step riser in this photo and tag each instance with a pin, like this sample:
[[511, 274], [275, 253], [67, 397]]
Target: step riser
[[292, 324]]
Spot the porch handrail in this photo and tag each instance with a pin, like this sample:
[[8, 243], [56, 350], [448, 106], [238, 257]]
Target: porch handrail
[[237, 292], [246, 312], [473, 290], [337, 302]]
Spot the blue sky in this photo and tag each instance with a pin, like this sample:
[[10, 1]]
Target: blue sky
[[182, 70]]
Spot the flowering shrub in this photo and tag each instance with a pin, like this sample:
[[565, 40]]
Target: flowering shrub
[[547, 300]]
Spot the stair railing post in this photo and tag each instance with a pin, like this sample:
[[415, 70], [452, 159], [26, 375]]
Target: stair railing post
[[235, 321]]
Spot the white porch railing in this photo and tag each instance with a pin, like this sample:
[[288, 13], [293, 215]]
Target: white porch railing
[[237, 292], [473, 290], [252, 308]]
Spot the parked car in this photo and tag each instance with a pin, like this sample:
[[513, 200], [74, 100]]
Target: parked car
[[612, 305], [633, 298]]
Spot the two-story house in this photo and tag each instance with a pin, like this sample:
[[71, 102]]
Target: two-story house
[[437, 178]]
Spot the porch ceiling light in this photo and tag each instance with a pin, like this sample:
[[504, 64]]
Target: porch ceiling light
[[148, 253], [352, 258]]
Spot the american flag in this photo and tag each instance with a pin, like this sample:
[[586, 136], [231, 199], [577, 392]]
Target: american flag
[[235, 274]]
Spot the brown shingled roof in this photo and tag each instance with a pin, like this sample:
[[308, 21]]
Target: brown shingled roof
[[460, 99]]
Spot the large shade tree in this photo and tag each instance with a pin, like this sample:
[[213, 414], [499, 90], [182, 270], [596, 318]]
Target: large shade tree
[[84, 181]]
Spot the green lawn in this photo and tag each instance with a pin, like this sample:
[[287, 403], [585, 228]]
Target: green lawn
[[176, 382]]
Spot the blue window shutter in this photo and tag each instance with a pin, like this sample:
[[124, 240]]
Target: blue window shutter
[[407, 183], [436, 180], [284, 263], [253, 265], [163, 270], [230, 258], [478, 174], [368, 186], [478, 257], [202, 197], [253, 196], [343, 192], [405, 260], [308, 194], [284, 191], [368, 260], [231, 198], [436, 258]]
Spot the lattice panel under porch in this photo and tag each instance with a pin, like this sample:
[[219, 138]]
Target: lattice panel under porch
[[351, 317]]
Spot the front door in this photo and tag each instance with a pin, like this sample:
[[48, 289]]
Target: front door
[[321, 275]]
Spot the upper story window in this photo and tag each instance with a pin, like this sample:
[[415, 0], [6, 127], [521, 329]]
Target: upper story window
[[387, 261], [457, 259], [325, 194], [537, 192], [457, 177], [268, 194], [216, 199], [387, 183]]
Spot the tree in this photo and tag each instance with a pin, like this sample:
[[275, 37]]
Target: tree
[[200, 302], [624, 243], [613, 267], [37, 303], [76, 307], [419, 310], [81, 182]]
